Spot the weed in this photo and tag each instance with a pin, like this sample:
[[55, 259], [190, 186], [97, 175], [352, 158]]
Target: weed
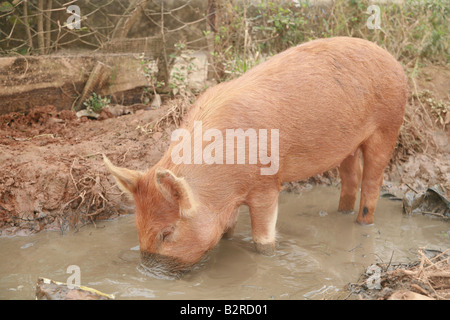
[[96, 103], [415, 32]]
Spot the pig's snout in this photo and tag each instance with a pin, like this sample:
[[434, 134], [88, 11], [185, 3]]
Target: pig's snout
[[163, 267]]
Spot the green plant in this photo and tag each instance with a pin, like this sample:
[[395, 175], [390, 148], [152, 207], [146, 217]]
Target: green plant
[[183, 67], [149, 69], [284, 24], [415, 32], [96, 103]]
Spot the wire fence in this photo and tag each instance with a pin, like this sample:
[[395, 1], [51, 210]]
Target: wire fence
[[41, 27]]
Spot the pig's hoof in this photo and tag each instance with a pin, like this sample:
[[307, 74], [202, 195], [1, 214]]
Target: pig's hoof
[[365, 222], [347, 211], [267, 249]]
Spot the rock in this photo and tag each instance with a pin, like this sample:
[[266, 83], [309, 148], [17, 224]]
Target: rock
[[156, 103], [69, 74], [323, 213], [119, 110], [87, 113], [191, 70], [408, 295], [434, 201]]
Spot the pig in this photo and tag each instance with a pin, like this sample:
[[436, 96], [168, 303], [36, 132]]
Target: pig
[[334, 102]]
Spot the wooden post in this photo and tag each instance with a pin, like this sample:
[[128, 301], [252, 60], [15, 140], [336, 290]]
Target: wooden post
[[97, 79]]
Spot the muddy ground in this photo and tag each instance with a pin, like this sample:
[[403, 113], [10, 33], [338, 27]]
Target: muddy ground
[[425, 279], [52, 175]]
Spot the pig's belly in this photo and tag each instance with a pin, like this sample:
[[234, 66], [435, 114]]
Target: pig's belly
[[298, 167]]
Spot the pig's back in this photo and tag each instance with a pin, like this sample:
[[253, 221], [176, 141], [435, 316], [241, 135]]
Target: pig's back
[[325, 97]]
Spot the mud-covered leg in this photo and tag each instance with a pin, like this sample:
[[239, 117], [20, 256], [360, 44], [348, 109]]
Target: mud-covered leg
[[263, 214], [350, 172], [377, 151]]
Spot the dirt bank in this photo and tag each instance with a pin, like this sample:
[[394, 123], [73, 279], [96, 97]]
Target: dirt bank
[[52, 173]]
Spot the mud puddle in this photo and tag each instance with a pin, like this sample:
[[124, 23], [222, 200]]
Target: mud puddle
[[319, 252]]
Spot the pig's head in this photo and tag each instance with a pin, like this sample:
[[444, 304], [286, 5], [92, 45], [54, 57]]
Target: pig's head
[[173, 233]]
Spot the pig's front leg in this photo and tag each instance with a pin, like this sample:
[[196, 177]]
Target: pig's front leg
[[263, 214], [231, 225]]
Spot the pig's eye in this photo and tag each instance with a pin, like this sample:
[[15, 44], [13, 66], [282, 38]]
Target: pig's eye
[[165, 233]]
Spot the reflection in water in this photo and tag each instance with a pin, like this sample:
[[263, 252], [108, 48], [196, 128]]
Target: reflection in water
[[319, 251]]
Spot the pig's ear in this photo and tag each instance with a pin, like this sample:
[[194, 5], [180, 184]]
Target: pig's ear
[[175, 189], [126, 179]]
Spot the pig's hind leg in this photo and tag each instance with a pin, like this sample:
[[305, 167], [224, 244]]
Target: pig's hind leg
[[350, 172], [377, 151]]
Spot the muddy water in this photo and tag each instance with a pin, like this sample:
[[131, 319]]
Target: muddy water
[[319, 252]]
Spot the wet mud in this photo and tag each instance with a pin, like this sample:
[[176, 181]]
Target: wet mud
[[319, 252]]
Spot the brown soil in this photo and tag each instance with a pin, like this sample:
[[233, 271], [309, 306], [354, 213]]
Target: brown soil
[[53, 177], [52, 172]]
